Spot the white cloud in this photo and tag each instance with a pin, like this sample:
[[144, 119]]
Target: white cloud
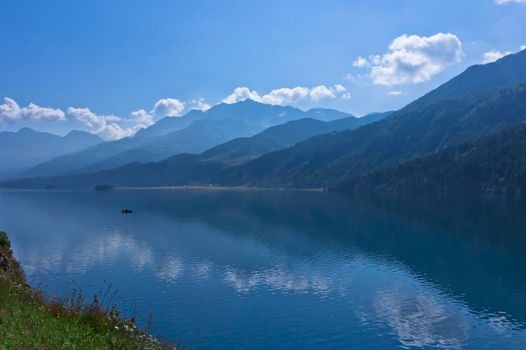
[[168, 107], [493, 55], [413, 59], [286, 96], [502, 2], [102, 125], [200, 104], [35, 112], [394, 93], [342, 92], [355, 78], [289, 96], [350, 77], [321, 92], [360, 62], [10, 111], [523, 47], [111, 127], [241, 94], [142, 118]]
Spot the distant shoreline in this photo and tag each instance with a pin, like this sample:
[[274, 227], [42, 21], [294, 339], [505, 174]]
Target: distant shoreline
[[213, 188], [164, 188]]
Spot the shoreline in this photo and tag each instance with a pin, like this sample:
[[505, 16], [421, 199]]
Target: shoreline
[[167, 188], [32, 319], [213, 188]]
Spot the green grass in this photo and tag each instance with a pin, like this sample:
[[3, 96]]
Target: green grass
[[28, 320]]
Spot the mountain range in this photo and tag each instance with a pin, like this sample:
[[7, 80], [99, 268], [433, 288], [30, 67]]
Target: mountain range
[[202, 168], [26, 148], [412, 132], [194, 132], [449, 130]]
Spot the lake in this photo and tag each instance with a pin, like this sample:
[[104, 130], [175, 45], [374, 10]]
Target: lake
[[284, 269]]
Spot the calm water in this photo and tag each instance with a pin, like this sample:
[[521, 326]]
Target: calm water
[[286, 270]]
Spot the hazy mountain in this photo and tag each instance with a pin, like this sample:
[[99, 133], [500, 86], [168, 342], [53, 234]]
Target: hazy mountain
[[192, 133], [326, 115], [282, 136], [493, 164], [196, 138], [168, 125], [253, 113], [81, 159], [203, 168], [27, 147]]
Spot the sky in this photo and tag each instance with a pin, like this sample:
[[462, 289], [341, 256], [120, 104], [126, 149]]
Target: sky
[[113, 67]]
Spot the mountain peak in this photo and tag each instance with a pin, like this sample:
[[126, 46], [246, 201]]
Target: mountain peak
[[26, 130], [243, 103], [249, 101], [326, 114], [502, 73], [77, 132], [82, 136]]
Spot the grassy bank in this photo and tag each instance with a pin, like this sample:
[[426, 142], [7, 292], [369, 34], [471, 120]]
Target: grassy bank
[[30, 320]]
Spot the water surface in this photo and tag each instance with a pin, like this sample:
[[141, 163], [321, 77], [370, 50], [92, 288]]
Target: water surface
[[286, 270]]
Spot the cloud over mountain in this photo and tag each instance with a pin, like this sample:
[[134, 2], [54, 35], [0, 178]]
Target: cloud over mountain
[[493, 55], [108, 126], [10, 111], [289, 96], [168, 107], [103, 125], [413, 59], [113, 127], [142, 118], [199, 104]]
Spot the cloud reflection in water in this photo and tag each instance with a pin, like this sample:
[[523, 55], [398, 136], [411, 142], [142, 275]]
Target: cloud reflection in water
[[421, 320]]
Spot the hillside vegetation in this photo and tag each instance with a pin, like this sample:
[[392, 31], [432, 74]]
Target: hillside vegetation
[[495, 164]]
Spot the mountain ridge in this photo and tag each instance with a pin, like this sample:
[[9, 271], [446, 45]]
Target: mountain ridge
[[416, 130], [494, 164], [198, 169], [166, 137], [27, 147]]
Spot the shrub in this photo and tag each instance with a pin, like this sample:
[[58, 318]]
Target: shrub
[[4, 240]]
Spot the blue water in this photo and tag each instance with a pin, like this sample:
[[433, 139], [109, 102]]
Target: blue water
[[286, 270]]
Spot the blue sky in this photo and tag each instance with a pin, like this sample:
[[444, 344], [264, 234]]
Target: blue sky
[[102, 66]]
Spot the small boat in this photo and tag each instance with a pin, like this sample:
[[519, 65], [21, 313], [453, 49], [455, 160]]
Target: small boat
[[103, 188], [126, 211]]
